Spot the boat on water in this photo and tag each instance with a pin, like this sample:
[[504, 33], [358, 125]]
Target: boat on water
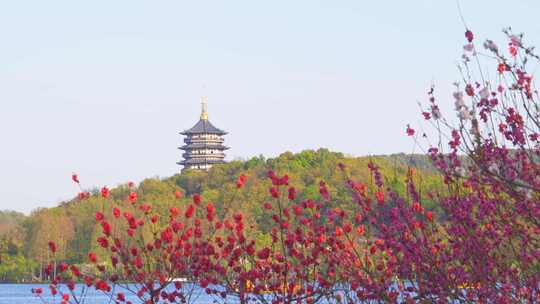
[[249, 287]]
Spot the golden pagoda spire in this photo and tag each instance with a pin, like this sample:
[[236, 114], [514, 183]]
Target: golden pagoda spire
[[204, 108]]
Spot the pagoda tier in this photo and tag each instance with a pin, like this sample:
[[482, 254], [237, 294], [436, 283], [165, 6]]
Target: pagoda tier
[[203, 144]]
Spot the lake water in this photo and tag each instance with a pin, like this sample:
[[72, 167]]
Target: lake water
[[22, 294]]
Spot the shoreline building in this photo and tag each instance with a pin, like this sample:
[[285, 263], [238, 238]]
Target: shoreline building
[[203, 143]]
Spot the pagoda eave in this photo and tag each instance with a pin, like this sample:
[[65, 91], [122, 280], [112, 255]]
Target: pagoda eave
[[186, 133], [200, 161], [203, 126], [187, 148]]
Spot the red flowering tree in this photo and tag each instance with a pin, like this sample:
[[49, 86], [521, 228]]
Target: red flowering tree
[[301, 263], [485, 245], [146, 254], [491, 164]]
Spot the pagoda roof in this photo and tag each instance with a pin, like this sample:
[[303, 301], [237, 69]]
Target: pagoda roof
[[204, 145], [203, 126], [200, 161]]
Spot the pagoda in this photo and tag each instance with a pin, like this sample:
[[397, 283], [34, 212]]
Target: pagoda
[[203, 143]]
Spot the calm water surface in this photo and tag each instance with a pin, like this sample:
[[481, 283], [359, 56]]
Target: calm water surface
[[21, 294]]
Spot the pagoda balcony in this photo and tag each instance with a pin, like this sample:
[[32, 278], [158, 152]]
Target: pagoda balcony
[[209, 155], [194, 155], [203, 146], [189, 140]]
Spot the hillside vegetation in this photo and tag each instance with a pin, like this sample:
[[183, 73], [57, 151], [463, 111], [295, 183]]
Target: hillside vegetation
[[72, 225]]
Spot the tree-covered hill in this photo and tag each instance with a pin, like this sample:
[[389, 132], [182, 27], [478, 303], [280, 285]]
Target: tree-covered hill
[[9, 220], [72, 225]]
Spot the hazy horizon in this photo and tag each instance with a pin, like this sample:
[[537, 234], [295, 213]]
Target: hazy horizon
[[103, 88]]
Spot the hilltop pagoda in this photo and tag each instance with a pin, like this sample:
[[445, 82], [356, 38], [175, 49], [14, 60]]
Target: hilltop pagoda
[[203, 143]]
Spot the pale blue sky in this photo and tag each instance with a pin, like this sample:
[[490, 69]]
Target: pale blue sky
[[102, 88]]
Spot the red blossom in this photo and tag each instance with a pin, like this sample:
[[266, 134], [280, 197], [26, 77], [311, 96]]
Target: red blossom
[[84, 195], [284, 180], [132, 198], [121, 297], [75, 271], [106, 228], [102, 285], [105, 192], [145, 208], [75, 178], [197, 199], [271, 174], [238, 217], [323, 190], [274, 192], [292, 193], [469, 35], [429, 216], [264, 253], [380, 196], [410, 131], [103, 242], [501, 68], [99, 216], [190, 211], [278, 181], [116, 212], [52, 246], [178, 194], [241, 181], [92, 257], [512, 50], [210, 209], [62, 267], [469, 89], [361, 229]]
